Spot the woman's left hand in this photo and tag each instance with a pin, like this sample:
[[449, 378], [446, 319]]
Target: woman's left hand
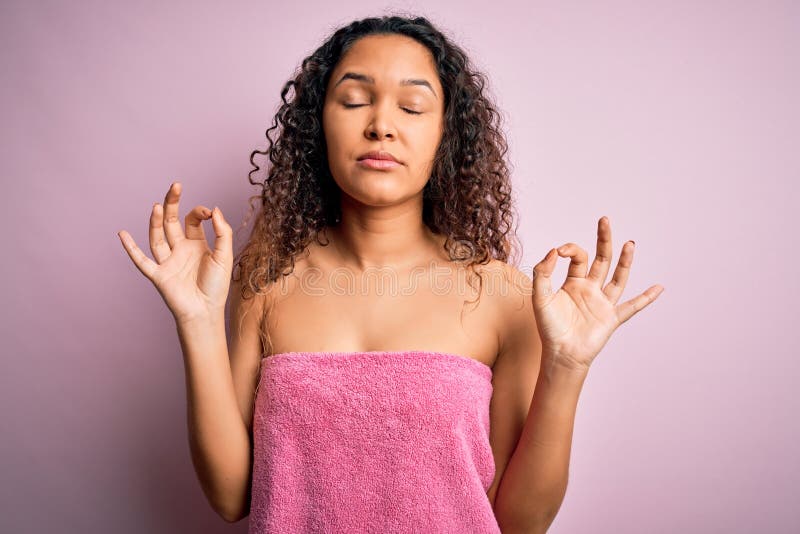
[[576, 321]]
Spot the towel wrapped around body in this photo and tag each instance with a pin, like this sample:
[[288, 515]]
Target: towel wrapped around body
[[378, 441]]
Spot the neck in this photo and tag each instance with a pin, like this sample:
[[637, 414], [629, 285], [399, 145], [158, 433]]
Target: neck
[[385, 236]]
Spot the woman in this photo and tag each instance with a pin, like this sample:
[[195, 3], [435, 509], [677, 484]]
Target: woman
[[395, 412]]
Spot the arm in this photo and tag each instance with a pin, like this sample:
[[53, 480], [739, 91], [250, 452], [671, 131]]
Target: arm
[[194, 282], [531, 434], [574, 323], [218, 438], [535, 481], [219, 394]]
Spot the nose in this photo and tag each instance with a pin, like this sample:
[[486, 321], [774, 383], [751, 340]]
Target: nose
[[379, 128], [375, 133]]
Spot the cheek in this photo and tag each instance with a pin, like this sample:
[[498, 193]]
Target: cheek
[[339, 132], [426, 140], [331, 123]]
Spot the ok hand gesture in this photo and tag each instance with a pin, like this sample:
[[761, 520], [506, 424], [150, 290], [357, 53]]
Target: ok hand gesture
[[576, 321], [192, 279]]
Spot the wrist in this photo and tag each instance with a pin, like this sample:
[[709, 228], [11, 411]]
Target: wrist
[[555, 363], [202, 320]]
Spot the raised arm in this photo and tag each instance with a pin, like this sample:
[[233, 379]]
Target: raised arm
[[194, 282]]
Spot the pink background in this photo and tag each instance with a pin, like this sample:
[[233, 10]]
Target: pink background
[[675, 119]]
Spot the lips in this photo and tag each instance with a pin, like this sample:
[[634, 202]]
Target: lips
[[382, 164], [378, 155]]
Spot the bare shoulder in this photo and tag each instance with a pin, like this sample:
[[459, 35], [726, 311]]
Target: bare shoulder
[[245, 345], [508, 289], [514, 306], [517, 367], [245, 305]]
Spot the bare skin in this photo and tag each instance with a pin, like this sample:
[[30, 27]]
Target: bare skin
[[381, 235], [381, 227], [380, 310], [335, 290]]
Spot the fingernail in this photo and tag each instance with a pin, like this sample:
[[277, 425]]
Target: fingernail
[[634, 242]]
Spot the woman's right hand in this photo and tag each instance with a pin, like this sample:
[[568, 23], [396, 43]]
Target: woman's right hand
[[192, 279]]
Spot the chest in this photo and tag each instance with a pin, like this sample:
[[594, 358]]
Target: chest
[[404, 313]]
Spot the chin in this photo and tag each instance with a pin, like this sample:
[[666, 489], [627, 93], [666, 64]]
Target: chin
[[378, 192]]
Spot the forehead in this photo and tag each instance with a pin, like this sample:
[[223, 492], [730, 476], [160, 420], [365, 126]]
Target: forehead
[[388, 59]]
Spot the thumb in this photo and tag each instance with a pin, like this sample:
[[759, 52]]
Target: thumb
[[223, 242], [542, 289]]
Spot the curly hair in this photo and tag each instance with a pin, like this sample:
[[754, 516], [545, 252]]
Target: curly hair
[[467, 198]]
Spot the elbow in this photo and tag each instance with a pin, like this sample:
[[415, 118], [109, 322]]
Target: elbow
[[532, 522], [231, 503], [526, 527], [229, 518], [233, 516], [533, 515], [231, 512]]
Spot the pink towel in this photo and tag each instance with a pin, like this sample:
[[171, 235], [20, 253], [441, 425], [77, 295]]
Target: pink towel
[[380, 441]]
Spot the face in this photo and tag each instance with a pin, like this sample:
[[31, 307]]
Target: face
[[384, 94]]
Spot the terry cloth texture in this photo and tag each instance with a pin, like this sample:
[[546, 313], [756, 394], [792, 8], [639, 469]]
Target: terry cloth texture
[[375, 442]]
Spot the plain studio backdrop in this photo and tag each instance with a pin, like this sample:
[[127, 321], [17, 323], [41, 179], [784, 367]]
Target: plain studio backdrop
[[676, 119]]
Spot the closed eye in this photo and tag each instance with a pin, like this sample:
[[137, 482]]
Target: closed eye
[[409, 111]]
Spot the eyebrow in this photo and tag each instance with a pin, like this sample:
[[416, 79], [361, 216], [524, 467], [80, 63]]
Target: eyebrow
[[369, 79]]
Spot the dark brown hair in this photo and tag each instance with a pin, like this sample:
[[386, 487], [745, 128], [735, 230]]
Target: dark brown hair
[[467, 198]]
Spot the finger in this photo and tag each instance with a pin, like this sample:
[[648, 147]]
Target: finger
[[158, 243], [223, 242], [172, 226], [147, 266], [629, 308], [602, 260], [616, 286], [542, 288], [578, 262], [194, 222]]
